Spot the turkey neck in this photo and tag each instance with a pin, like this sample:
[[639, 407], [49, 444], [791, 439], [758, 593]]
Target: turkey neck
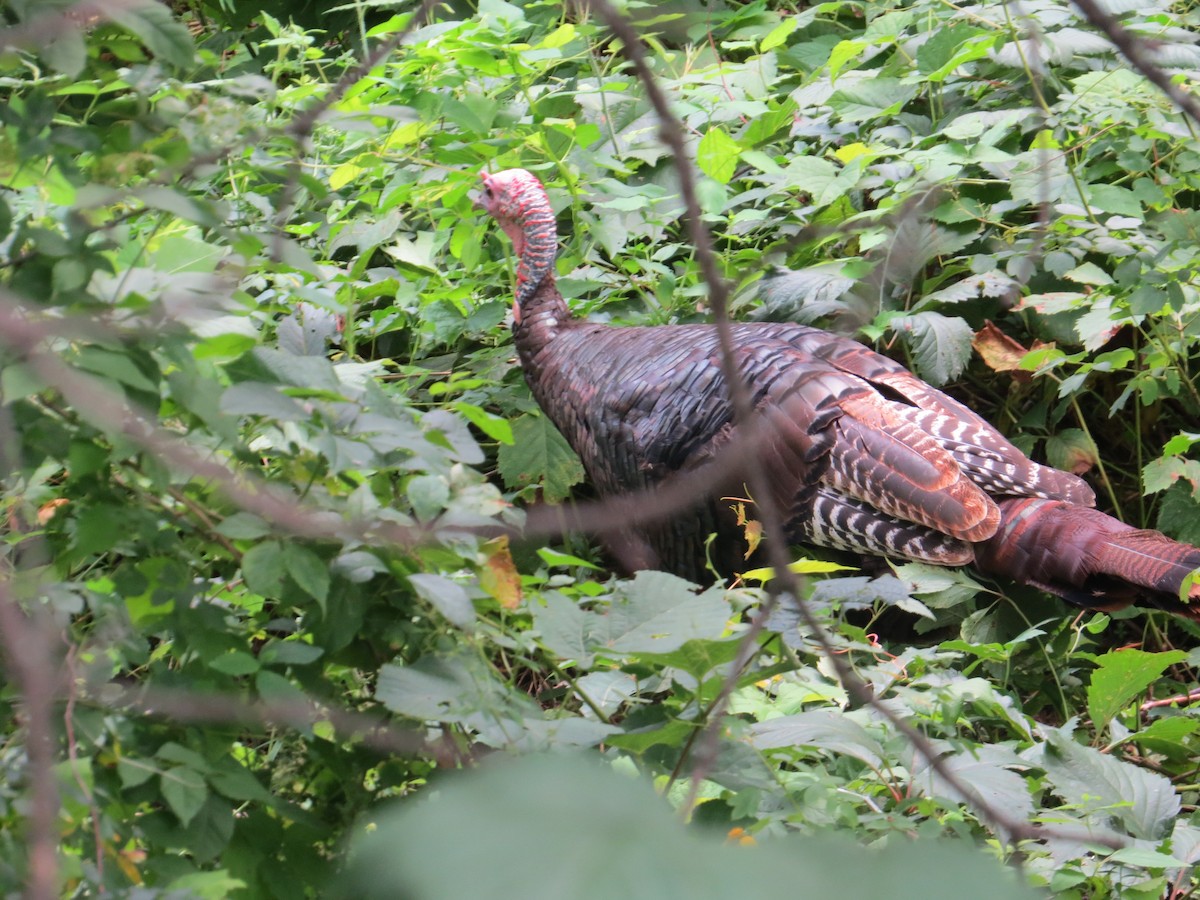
[[539, 318], [539, 311]]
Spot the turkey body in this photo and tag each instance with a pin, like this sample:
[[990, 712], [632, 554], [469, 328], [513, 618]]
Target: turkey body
[[861, 455]]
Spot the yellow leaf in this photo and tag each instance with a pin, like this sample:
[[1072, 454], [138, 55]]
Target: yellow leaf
[[499, 576], [751, 527], [802, 566], [851, 152], [47, 510], [559, 36], [343, 175]]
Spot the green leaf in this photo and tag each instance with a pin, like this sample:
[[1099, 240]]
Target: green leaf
[[874, 99], [119, 367], [1160, 474], [564, 628], [842, 53], [308, 571], [133, 771], [986, 770], [495, 427], [1179, 514], [717, 155], [1120, 676], [941, 345], [1112, 198], [184, 790], [206, 885], [824, 729], [266, 400], [264, 567], [236, 782], [445, 688], [1149, 859], [1088, 273], [1073, 450], [657, 613], [539, 455], [235, 662], [164, 35], [429, 495], [1104, 788], [437, 849], [779, 34], [275, 688], [446, 596], [243, 526], [290, 653], [66, 51]]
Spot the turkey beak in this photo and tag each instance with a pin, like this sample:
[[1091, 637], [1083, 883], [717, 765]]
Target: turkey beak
[[479, 199]]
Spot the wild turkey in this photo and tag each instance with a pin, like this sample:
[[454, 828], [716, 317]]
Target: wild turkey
[[862, 454]]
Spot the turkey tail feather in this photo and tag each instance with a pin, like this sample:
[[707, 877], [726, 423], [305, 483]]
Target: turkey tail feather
[[1090, 558]]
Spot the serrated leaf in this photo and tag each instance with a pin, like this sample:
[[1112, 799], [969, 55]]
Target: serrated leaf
[[1038, 176], [986, 284], [564, 628], [779, 34], [1120, 676], [428, 495], [987, 771], [1105, 787], [251, 398], [1179, 514], [164, 35], [185, 792], [717, 155], [496, 427], [825, 729], [446, 596], [539, 455], [1160, 474], [1112, 198], [941, 345], [1088, 273], [445, 688], [307, 330], [264, 568], [876, 98], [308, 571], [804, 295], [657, 613]]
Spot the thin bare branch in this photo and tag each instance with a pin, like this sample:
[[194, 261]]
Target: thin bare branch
[[1139, 54], [785, 582], [30, 651]]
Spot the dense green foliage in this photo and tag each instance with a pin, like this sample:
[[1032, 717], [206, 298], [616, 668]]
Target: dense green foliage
[[262, 422]]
